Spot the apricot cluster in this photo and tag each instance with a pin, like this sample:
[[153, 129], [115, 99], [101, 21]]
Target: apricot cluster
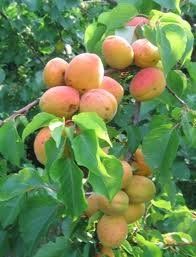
[[126, 207], [149, 82]]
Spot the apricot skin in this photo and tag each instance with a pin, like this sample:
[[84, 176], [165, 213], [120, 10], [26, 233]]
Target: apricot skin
[[141, 167], [145, 53], [138, 21], [99, 101], [112, 230], [127, 173], [39, 144], [117, 52], [61, 101], [113, 87], [85, 72], [140, 189], [147, 84], [93, 205], [105, 251], [117, 206], [134, 212], [54, 72]]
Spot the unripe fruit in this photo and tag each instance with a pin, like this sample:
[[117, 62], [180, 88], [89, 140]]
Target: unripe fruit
[[93, 204], [138, 21], [140, 189], [99, 101], [112, 230], [117, 52], [39, 144], [127, 174], [113, 87], [147, 84], [54, 72], [118, 205], [105, 251], [145, 53], [61, 101], [85, 72], [134, 212], [141, 167]]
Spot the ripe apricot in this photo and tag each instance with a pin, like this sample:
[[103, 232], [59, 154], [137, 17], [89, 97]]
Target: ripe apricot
[[141, 167], [105, 252], [99, 101], [39, 144], [61, 101], [147, 84], [117, 206], [112, 230], [145, 53], [113, 87], [140, 189], [138, 21], [127, 174], [54, 72], [85, 72], [117, 52], [134, 212], [93, 204]]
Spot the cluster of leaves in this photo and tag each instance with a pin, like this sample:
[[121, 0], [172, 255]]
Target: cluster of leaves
[[41, 208]]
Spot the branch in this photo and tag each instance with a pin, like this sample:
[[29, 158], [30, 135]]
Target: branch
[[136, 114], [22, 111], [180, 244], [176, 96]]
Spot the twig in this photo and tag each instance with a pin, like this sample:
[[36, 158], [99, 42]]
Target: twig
[[21, 111], [180, 244], [136, 115], [176, 96]]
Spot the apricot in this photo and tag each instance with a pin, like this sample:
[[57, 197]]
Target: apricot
[[113, 87], [105, 252], [145, 53], [112, 230], [141, 167], [138, 21], [117, 52], [117, 206], [54, 72], [61, 101], [140, 189], [134, 212], [85, 72], [99, 101], [39, 144], [147, 84], [93, 205], [127, 173]]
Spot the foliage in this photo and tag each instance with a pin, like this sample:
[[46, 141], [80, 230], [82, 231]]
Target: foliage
[[41, 208]]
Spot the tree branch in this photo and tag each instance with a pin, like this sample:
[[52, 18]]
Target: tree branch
[[21, 111], [136, 115]]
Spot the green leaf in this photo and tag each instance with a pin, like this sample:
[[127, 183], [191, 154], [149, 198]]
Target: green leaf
[[134, 137], [91, 121], [60, 248], [57, 128], [191, 67], [177, 81], [9, 210], [11, 146], [4, 243], [169, 4], [171, 53], [69, 177], [35, 219], [118, 16], [162, 204], [40, 120], [150, 249], [2, 75], [189, 129], [180, 170], [19, 184]]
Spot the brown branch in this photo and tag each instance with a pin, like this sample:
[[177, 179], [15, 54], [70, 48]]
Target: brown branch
[[136, 114], [180, 244], [22, 111]]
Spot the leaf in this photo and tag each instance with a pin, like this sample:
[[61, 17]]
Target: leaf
[[4, 243], [57, 128], [180, 170], [9, 210], [69, 177], [177, 81], [171, 53], [39, 213], [18, 184], [162, 204], [40, 120], [189, 129], [169, 4], [118, 16], [191, 67], [91, 121], [134, 137], [150, 249], [11, 146], [2, 75], [127, 33], [60, 248]]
